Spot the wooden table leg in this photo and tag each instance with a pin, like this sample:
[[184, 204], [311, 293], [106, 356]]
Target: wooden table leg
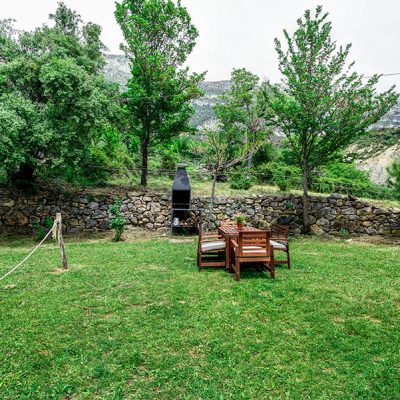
[[227, 254]]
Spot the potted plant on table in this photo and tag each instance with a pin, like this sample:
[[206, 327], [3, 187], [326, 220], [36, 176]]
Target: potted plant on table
[[240, 220]]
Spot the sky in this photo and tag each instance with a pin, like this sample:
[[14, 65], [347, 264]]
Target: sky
[[240, 33]]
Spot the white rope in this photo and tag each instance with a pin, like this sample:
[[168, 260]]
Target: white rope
[[30, 254]]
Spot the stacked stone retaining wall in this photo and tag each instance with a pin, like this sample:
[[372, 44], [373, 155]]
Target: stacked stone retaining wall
[[86, 211]]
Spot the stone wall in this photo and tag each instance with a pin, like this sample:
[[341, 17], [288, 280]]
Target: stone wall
[[87, 211]]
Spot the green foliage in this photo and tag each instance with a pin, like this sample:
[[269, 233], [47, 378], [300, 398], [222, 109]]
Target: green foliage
[[55, 98], [345, 178], [267, 153], [240, 219], [285, 176], [394, 176], [241, 179], [159, 36], [41, 230], [344, 233], [117, 219], [241, 112]]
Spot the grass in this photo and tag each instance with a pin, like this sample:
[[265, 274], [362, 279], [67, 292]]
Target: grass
[[135, 320]]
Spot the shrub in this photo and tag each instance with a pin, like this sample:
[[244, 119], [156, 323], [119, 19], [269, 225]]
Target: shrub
[[345, 178], [117, 219], [394, 176], [42, 229], [286, 177], [344, 233], [241, 180]]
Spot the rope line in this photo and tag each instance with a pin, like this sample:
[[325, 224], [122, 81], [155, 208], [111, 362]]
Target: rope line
[[31, 253]]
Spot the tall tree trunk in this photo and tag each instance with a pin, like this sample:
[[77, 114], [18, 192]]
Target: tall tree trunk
[[251, 155], [145, 158], [249, 161], [211, 207], [306, 217]]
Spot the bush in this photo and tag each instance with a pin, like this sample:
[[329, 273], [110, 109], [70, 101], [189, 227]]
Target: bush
[[41, 230], [394, 176], [345, 178], [284, 176], [241, 180], [117, 219]]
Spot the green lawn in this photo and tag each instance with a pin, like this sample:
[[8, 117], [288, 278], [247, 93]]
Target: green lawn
[[136, 320]]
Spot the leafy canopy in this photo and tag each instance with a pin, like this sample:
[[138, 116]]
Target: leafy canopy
[[241, 111], [55, 99]]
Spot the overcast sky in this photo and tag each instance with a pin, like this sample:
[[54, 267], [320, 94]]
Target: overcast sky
[[240, 33]]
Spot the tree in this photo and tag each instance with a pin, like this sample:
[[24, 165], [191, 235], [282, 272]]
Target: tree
[[159, 36], [55, 100], [217, 151], [241, 111], [322, 104]]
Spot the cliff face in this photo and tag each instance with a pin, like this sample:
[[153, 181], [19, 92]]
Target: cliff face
[[390, 121], [117, 69]]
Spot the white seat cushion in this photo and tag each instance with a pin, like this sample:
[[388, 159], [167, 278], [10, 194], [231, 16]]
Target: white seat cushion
[[277, 245], [256, 250], [213, 245]]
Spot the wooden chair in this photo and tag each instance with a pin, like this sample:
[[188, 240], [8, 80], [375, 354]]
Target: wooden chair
[[280, 242], [252, 247], [211, 250]]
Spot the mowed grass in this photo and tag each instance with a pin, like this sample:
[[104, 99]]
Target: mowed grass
[[136, 320]]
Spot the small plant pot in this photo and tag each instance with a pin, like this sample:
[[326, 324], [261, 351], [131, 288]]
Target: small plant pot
[[240, 226]]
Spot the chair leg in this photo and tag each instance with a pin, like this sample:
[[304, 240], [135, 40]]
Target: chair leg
[[199, 261], [237, 271], [272, 269], [288, 259]]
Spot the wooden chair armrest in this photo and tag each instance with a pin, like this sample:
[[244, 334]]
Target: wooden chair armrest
[[211, 239], [215, 235], [279, 239]]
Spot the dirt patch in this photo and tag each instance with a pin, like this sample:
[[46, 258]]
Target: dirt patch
[[338, 319], [9, 287], [132, 234], [181, 240], [59, 271], [372, 319], [384, 240]]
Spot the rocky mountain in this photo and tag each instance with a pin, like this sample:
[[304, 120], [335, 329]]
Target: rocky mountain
[[390, 121], [117, 70]]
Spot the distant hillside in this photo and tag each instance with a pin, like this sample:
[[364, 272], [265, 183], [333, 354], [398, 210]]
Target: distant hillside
[[117, 70], [390, 121], [375, 152]]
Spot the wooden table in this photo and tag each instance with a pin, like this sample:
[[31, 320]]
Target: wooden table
[[231, 232]]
